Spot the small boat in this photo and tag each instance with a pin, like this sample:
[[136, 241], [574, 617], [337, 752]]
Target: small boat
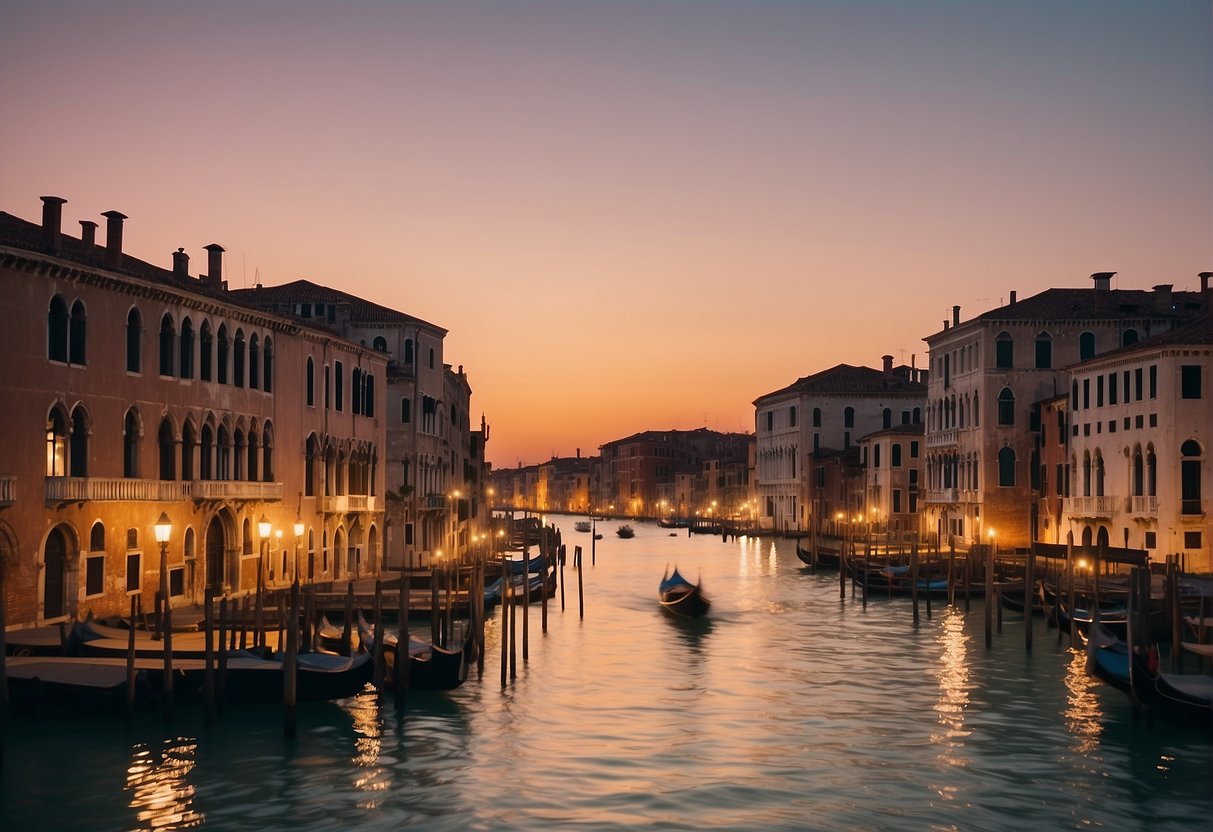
[[582, 526], [625, 531], [1185, 698], [681, 597], [673, 522], [430, 667], [1107, 656]]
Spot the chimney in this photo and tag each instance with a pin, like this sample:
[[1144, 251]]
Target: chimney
[[214, 265], [945, 325], [1204, 281], [52, 219], [579, 453], [88, 233], [113, 238], [888, 363], [1162, 295], [1012, 297], [1103, 281], [181, 263], [955, 316]]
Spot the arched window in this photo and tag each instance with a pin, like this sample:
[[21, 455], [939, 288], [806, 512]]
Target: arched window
[[55, 580], [77, 336], [186, 363], [1086, 473], [56, 330], [1004, 351], [96, 538], [976, 412], [916, 416], [1190, 462], [130, 444], [1138, 472], [188, 441], [168, 345], [1098, 465], [168, 451], [848, 417], [312, 455], [238, 447], [1128, 337], [134, 342], [254, 362], [206, 454], [56, 443], [1086, 346], [380, 343], [267, 453], [238, 359], [206, 350], [310, 382], [78, 455], [406, 407], [886, 418], [408, 350], [254, 455], [267, 377], [1151, 472], [223, 454], [1006, 407], [222, 347], [817, 417], [246, 539], [1044, 351], [1006, 467]]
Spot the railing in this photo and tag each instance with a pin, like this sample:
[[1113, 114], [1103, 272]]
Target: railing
[[941, 495], [338, 504], [1144, 506], [1089, 506], [434, 502], [1190, 507], [106, 489], [937, 438]]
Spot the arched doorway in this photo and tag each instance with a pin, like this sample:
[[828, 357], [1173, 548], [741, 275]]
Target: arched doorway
[[1101, 539], [54, 586], [216, 549]]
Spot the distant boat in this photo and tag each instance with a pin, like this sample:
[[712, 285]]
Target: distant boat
[[681, 597], [625, 531], [582, 525], [673, 522]]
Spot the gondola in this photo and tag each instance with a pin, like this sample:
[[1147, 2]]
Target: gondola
[[625, 531], [430, 667], [681, 597], [1107, 656], [1184, 698]]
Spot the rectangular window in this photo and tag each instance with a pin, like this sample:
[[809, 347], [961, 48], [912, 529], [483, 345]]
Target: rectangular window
[[327, 400], [1099, 391], [771, 421], [1112, 389], [1128, 394], [94, 576], [1191, 540], [1060, 472], [133, 572], [1086, 429], [895, 461], [1151, 540], [792, 417], [1153, 420], [914, 449], [1111, 426], [1139, 421], [1127, 423], [408, 534], [176, 582], [1086, 393], [1153, 381], [897, 501], [1189, 381]]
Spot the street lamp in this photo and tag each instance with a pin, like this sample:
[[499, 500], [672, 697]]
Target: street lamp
[[263, 530], [298, 537], [282, 551], [163, 529]]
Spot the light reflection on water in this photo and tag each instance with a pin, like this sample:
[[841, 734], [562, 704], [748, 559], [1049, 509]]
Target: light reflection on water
[[785, 709]]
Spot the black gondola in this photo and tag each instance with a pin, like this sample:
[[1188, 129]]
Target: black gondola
[[1185, 698], [681, 597]]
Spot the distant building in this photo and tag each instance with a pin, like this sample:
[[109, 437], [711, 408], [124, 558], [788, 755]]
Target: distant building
[[893, 461], [829, 410]]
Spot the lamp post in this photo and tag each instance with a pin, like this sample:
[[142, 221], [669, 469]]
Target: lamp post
[[163, 529], [282, 552], [298, 538], [263, 530]]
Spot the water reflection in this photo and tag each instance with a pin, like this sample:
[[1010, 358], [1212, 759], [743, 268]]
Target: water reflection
[[1084, 718], [756, 557], [369, 775], [159, 793], [954, 687]]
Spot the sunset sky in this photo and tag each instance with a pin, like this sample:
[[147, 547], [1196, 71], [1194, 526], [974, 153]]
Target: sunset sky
[[631, 215]]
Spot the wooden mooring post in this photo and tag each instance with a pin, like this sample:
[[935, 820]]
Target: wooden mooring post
[[130, 663], [563, 552], [505, 625], [377, 658], [221, 681], [580, 581], [914, 581], [208, 679], [347, 645], [990, 599], [290, 678], [401, 667]]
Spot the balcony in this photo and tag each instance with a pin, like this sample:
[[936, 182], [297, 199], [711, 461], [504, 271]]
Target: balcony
[[343, 503], [433, 502], [1089, 507], [1143, 506], [942, 495], [8, 491], [104, 489], [939, 438]]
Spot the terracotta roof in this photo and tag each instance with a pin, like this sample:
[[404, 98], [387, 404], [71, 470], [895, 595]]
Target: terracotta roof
[[1192, 333], [845, 378], [304, 291]]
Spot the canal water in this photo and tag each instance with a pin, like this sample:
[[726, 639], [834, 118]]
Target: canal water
[[786, 709]]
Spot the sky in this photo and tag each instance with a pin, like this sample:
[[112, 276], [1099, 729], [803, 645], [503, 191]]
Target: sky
[[631, 215]]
